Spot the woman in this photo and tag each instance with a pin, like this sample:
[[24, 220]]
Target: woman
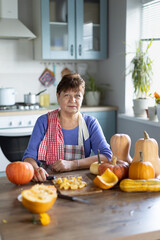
[[64, 137]]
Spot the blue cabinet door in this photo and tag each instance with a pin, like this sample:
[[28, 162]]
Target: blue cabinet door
[[91, 29], [108, 122], [58, 36]]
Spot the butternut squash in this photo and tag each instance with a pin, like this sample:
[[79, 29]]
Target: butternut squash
[[120, 145], [129, 185], [149, 148]]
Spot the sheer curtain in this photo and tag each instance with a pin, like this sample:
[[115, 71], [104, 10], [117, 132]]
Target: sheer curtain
[[150, 26]]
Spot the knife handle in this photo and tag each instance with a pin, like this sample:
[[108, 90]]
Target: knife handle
[[50, 177]]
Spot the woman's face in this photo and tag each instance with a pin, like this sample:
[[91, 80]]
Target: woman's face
[[70, 101]]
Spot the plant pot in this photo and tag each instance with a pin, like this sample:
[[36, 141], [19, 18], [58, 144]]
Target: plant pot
[[152, 113], [158, 112], [92, 98], [140, 105]]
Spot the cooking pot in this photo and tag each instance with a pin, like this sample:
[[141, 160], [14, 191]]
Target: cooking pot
[[7, 96], [31, 98]]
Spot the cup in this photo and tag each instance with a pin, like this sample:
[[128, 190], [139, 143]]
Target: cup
[[45, 100], [152, 113]]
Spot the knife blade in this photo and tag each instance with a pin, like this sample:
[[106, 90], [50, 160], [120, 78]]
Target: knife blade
[[72, 198]]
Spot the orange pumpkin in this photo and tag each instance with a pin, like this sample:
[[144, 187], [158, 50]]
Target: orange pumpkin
[[120, 145], [19, 172], [141, 169], [118, 167], [149, 148]]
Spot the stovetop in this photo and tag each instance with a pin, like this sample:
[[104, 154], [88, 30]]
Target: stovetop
[[20, 106]]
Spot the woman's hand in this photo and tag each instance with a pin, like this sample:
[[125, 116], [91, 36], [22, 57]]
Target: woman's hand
[[40, 175], [64, 165]]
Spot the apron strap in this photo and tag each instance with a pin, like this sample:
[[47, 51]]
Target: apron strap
[[82, 129]]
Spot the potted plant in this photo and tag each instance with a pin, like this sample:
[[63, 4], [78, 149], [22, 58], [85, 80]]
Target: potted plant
[[93, 92], [141, 70]]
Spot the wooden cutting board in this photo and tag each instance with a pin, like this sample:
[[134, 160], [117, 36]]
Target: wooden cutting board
[[89, 189]]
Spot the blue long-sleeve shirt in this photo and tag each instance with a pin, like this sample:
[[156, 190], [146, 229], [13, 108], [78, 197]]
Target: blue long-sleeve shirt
[[95, 141]]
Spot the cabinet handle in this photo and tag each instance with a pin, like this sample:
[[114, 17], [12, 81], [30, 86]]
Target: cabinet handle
[[71, 49], [80, 49]]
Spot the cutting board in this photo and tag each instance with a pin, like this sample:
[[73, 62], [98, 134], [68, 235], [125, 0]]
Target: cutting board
[[89, 189]]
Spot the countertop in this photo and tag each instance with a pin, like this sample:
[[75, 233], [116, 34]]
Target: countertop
[[111, 214], [53, 107]]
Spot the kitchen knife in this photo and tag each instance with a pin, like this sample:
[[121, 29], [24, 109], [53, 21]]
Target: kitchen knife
[[50, 177], [72, 198]]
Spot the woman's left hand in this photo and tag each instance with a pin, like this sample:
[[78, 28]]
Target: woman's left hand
[[63, 166]]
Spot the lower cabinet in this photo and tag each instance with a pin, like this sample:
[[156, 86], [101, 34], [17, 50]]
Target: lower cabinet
[[107, 120]]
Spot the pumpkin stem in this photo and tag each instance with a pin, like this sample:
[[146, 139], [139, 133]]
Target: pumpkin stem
[[146, 136], [141, 156], [114, 160], [99, 160]]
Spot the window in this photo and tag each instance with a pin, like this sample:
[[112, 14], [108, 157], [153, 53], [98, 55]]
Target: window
[[150, 24]]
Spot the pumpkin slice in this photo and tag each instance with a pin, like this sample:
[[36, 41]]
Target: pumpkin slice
[[39, 198], [107, 180]]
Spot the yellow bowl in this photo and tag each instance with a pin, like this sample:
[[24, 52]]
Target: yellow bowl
[[40, 198]]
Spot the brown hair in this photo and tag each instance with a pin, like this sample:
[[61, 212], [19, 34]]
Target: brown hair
[[70, 81]]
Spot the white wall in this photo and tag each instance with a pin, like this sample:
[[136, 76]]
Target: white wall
[[123, 32], [18, 69], [112, 70]]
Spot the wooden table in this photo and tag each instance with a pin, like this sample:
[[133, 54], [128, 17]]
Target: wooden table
[[112, 214]]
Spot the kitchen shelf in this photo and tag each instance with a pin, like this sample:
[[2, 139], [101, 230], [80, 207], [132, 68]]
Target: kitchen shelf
[[59, 23]]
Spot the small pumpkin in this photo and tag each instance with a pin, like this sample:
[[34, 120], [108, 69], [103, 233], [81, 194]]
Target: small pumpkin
[[149, 148], [118, 167], [107, 180], [19, 172], [95, 165], [141, 169], [120, 145]]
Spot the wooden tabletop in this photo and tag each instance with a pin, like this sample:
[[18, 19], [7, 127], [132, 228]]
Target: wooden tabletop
[[111, 214]]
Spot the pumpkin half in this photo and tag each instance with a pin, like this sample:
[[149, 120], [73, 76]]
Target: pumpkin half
[[39, 198], [118, 167], [149, 148], [120, 145], [19, 172], [107, 180]]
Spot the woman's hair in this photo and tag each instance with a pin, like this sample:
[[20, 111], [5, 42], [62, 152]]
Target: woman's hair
[[71, 81]]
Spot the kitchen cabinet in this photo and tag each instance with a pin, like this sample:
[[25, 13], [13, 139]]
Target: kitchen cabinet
[[70, 29], [107, 120]]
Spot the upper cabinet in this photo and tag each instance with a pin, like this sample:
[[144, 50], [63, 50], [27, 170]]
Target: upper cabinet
[[70, 29]]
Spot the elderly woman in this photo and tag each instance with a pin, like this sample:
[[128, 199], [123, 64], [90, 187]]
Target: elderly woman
[[64, 138]]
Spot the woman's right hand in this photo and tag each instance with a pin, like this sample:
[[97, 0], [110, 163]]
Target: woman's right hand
[[40, 175]]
